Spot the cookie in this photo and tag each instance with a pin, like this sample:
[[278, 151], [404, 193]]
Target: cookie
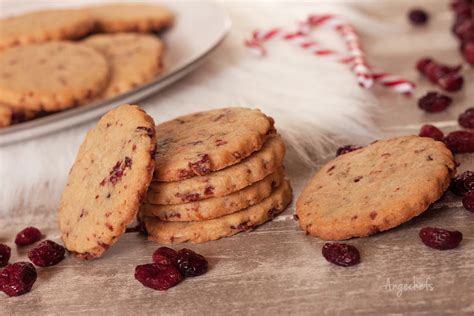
[[218, 206], [223, 182], [139, 18], [51, 76], [375, 188], [108, 181], [44, 26], [200, 143], [176, 232], [133, 59]]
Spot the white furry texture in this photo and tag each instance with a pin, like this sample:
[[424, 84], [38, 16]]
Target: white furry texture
[[316, 103]]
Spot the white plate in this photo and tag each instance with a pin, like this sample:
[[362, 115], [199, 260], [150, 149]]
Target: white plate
[[200, 27]]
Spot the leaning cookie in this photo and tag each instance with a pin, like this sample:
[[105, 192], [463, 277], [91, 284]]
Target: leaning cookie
[[375, 188], [176, 232], [108, 181]]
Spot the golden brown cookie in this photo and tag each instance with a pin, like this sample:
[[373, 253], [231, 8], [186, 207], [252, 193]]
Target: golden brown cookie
[[137, 17], [133, 58], [108, 181], [228, 225], [44, 26], [375, 188], [218, 206], [200, 143], [223, 182], [51, 76]]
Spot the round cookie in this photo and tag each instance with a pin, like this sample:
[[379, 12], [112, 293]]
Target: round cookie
[[133, 59], [108, 181], [176, 232], [44, 26], [51, 76], [218, 206], [200, 143], [375, 188], [223, 182], [141, 18]]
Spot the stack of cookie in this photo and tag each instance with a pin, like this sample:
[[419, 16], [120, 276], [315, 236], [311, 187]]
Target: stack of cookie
[[45, 69], [217, 173]]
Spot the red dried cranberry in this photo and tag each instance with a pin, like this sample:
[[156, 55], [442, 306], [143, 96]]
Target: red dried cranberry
[[463, 183], [428, 130], [465, 30], [435, 71], [341, 254], [28, 236], [460, 141], [17, 278], [46, 253], [165, 256], [451, 82], [191, 264], [157, 276], [5, 253], [347, 149], [466, 119], [434, 102], [423, 63], [418, 17], [468, 52], [468, 201], [439, 238]]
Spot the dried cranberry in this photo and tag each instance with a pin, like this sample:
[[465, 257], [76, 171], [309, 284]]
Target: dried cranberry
[[465, 30], [466, 119], [423, 63], [434, 102], [5, 253], [451, 82], [347, 149], [418, 17], [468, 52], [468, 201], [341, 254], [46, 253], [17, 278], [428, 130], [28, 236], [165, 256], [157, 276], [439, 238], [463, 183], [435, 71], [190, 263], [460, 141]]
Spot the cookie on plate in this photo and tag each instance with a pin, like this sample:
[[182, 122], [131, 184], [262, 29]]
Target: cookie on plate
[[133, 59], [223, 182], [44, 26], [228, 225], [137, 17], [375, 188], [51, 76], [108, 181], [218, 206], [200, 143]]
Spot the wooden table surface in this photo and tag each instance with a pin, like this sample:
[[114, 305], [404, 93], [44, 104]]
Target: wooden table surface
[[277, 269]]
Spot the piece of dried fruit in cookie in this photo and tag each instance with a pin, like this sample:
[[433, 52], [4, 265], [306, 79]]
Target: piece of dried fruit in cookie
[[108, 181], [375, 188], [341, 254], [347, 149], [28, 236], [47, 253], [17, 278], [439, 238], [5, 253], [157, 276]]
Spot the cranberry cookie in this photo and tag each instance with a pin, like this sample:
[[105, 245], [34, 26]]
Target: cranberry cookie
[[223, 182], [200, 143], [375, 188], [108, 181], [218, 206], [228, 225]]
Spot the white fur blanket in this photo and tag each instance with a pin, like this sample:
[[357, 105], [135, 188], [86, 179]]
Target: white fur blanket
[[316, 103]]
